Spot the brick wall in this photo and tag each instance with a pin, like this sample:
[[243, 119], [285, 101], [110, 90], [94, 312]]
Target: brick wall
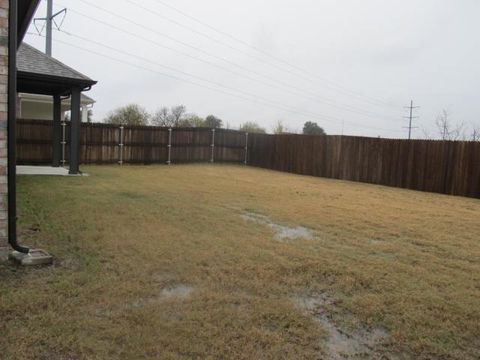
[[3, 124]]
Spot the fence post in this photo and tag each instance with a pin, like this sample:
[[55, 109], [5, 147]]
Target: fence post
[[213, 146], [169, 146], [64, 141], [121, 145], [246, 148]]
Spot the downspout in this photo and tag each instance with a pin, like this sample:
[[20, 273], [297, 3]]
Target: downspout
[[11, 128]]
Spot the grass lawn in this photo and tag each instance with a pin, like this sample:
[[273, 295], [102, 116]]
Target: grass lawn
[[202, 261]]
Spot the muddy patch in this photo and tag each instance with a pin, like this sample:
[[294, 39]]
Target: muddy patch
[[282, 232], [69, 263], [177, 291], [360, 343]]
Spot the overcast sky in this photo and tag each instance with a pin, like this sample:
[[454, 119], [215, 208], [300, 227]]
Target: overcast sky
[[345, 64]]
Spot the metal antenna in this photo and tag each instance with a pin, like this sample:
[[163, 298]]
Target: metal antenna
[[410, 118], [49, 21]]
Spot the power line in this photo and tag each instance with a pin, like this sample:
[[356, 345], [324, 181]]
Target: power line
[[283, 86], [183, 13], [307, 77], [155, 31], [116, 59], [123, 52], [243, 95], [324, 117]]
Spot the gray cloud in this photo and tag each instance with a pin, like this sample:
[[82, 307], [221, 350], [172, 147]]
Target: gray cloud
[[392, 50]]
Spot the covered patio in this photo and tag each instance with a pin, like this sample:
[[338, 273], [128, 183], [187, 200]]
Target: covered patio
[[38, 73], [42, 171], [27, 70]]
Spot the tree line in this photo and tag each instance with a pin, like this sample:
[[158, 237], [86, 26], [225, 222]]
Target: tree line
[[177, 116]]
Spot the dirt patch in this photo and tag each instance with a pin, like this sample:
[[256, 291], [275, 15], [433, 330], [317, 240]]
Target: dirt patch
[[282, 232], [361, 343]]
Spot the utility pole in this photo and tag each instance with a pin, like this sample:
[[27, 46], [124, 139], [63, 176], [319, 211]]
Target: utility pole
[[410, 127], [49, 19], [49, 22]]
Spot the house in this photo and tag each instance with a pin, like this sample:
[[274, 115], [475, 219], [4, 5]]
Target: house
[[40, 74], [34, 75], [38, 106]]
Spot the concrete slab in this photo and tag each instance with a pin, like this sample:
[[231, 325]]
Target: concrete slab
[[44, 171], [34, 257]]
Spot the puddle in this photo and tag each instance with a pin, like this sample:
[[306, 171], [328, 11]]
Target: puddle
[[282, 232], [179, 291], [342, 344]]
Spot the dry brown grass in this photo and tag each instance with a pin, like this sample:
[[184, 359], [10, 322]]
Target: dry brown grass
[[157, 262]]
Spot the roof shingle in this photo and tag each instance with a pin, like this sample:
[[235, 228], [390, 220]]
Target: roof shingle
[[31, 60]]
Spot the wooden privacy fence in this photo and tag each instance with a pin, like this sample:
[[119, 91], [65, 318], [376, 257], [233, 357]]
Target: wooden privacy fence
[[448, 167], [437, 166], [110, 144]]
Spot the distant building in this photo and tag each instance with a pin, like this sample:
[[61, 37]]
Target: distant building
[[40, 107]]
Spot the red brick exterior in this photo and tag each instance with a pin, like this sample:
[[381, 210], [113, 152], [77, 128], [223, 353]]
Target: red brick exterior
[[3, 125]]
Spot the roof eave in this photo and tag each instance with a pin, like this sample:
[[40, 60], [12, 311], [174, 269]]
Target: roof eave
[[56, 79], [26, 11], [34, 83]]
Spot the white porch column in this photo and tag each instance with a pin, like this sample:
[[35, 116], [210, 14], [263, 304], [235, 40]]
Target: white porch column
[[84, 113]]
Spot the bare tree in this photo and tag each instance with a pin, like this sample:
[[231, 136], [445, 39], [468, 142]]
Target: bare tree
[[279, 128], [475, 133], [169, 117], [448, 130], [177, 113], [162, 117]]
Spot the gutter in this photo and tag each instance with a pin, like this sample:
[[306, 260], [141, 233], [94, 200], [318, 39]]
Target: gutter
[[85, 84], [11, 128], [46, 99]]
